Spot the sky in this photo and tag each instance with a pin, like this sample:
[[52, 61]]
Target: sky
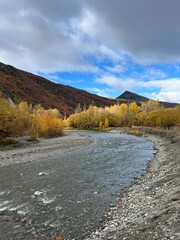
[[102, 46]]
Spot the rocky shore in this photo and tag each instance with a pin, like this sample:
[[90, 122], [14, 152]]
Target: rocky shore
[[150, 208], [25, 152]]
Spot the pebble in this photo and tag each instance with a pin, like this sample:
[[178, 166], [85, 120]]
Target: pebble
[[145, 204]]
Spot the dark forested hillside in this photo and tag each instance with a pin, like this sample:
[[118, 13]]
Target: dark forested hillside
[[23, 86]]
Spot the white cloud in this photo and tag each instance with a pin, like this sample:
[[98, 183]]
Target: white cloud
[[167, 89], [103, 92], [116, 69], [154, 73], [118, 83], [87, 24]]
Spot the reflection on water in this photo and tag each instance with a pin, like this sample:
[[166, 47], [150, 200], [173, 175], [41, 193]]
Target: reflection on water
[[69, 194]]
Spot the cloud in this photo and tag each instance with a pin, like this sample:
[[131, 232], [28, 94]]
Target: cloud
[[168, 89], [103, 92], [58, 35], [116, 69], [47, 37], [104, 37], [163, 90], [34, 36], [148, 30], [154, 73], [115, 82]]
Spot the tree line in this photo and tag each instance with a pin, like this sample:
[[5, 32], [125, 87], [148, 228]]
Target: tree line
[[148, 114], [23, 119]]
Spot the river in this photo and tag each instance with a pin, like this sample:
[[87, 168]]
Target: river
[[69, 194]]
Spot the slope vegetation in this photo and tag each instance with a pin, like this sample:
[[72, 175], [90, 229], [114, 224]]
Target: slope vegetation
[[23, 86]]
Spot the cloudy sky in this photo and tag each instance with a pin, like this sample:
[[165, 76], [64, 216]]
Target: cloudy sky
[[102, 46]]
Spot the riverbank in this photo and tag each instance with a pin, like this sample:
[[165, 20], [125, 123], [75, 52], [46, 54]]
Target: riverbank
[[150, 208], [26, 152]]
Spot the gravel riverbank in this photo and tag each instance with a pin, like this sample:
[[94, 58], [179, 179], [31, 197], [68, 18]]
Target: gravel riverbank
[[25, 152], [150, 208]]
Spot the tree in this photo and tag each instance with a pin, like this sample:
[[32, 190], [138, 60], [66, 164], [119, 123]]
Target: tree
[[78, 109], [101, 126], [106, 124], [133, 111], [150, 105], [6, 117]]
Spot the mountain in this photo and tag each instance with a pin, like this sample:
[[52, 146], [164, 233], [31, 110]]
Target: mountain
[[133, 97], [19, 85], [130, 96]]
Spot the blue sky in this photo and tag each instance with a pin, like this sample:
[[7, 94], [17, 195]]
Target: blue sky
[[104, 47]]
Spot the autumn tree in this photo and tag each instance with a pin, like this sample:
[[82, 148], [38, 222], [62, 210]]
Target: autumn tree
[[106, 124], [168, 118], [46, 123], [133, 112], [6, 116], [150, 106]]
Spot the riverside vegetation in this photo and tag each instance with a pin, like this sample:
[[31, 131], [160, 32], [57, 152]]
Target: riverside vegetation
[[23, 119], [149, 114]]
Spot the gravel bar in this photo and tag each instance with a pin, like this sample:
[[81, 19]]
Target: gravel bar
[[150, 208]]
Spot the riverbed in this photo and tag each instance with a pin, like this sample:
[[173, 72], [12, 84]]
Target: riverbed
[[68, 193]]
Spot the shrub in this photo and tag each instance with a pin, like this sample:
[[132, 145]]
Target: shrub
[[135, 132], [32, 139], [47, 125], [6, 141]]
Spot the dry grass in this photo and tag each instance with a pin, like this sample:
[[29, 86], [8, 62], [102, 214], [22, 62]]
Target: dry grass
[[135, 132]]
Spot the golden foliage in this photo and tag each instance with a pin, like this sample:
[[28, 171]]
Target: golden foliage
[[149, 114], [106, 124], [46, 123], [22, 119]]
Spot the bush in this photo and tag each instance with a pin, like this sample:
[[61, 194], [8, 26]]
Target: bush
[[22, 119], [47, 125], [32, 139], [6, 141]]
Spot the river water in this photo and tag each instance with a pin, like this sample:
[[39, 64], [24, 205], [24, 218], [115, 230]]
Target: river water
[[69, 194]]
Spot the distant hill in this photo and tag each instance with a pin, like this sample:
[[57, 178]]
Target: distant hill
[[23, 86], [133, 97], [130, 96]]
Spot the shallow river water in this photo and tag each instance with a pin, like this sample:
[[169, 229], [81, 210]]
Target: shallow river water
[[69, 194]]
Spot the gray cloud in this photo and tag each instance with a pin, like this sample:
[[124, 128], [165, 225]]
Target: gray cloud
[[57, 35], [149, 30]]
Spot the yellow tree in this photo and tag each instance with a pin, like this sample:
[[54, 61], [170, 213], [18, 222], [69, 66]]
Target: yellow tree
[[46, 123], [6, 116], [150, 105], [124, 114], [168, 118], [106, 124], [133, 111], [22, 118]]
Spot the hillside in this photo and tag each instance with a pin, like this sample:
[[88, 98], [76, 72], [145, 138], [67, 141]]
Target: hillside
[[133, 97], [23, 86], [130, 96]]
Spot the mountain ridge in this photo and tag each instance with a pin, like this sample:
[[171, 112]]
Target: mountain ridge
[[20, 85], [134, 97]]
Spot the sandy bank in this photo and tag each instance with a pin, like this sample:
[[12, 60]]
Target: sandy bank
[[149, 209], [43, 149]]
